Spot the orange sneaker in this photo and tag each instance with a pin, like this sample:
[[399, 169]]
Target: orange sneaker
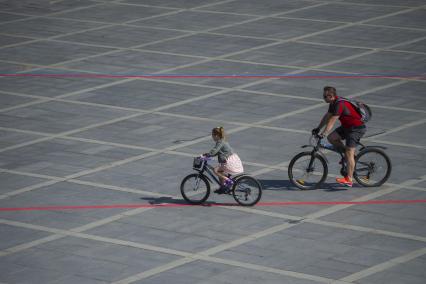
[[345, 181]]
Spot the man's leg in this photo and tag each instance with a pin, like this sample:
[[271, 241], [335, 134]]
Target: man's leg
[[350, 158], [352, 138], [335, 138]]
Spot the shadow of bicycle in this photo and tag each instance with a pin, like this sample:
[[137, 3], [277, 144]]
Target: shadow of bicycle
[[274, 184], [169, 200]]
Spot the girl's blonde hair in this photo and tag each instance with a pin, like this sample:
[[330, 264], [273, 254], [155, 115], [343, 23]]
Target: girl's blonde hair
[[219, 131]]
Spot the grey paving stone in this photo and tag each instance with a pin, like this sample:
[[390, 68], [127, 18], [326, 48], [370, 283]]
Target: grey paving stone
[[151, 130], [6, 17], [215, 223], [242, 275], [131, 63], [409, 135], [48, 52], [60, 157], [26, 275], [385, 243], [219, 273], [55, 117], [184, 4], [381, 121], [368, 257], [144, 259], [256, 8], [207, 45], [167, 277], [333, 269], [388, 218], [407, 95], [9, 138], [50, 86], [391, 278], [121, 36], [240, 107], [8, 40], [157, 237], [410, 19], [20, 236], [143, 94], [227, 68], [11, 68], [383, 62], [71, 194], [192, 20], [46, 27], [273, 28], [413, 267], [71, 279], [408, 3], [10, 182], [365, 36], [280, 258], [59, 219], [115, 13], [343, 12], [7, 101], [297, 54], [310, 84], [417, 46], [42, 7], [89, 267]]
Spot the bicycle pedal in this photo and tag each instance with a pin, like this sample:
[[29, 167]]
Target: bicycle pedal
[[302, 182]]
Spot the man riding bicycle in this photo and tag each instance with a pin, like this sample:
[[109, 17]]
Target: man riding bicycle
[[352, 129]]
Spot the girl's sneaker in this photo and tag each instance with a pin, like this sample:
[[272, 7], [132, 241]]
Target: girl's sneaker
[[221, 190]]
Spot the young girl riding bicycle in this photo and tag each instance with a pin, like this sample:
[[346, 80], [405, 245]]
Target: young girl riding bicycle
[[229, 162]]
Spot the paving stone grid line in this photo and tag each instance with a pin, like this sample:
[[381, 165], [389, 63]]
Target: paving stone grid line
[[206, 255]]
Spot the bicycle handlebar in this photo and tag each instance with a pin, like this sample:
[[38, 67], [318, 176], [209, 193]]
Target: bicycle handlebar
[[205, 158]]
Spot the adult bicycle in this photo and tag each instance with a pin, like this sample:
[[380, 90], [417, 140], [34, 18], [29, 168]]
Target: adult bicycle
[[308, 170], [195, 188]]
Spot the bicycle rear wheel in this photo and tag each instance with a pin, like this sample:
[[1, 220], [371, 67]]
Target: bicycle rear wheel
[[304, 176], [247, 191], [372, 167], [195, 188]]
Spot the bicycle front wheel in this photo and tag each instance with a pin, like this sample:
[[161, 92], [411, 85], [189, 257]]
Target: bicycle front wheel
[[372, 167], [195, 188], [247, 191], [307, 171]]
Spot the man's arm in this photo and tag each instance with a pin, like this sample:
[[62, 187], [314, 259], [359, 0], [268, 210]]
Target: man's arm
[[324, 120], [330, 123]]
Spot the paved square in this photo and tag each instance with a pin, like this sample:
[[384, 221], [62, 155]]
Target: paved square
[[104, 104]]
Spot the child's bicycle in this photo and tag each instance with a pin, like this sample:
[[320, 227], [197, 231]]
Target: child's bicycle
[[308, 170], [195, 188]]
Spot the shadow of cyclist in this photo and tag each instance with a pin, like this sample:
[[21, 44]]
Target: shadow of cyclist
[[275, 184]]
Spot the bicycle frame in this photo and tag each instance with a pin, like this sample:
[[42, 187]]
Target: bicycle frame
[[209, 170], [317, 150]]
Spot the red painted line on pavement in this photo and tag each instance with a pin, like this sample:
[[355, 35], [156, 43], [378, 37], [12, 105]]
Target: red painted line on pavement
[[225, 76], [168, 205]]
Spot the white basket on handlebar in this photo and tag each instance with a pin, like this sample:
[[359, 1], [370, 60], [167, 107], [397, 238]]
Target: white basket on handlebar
[[198, 163]]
